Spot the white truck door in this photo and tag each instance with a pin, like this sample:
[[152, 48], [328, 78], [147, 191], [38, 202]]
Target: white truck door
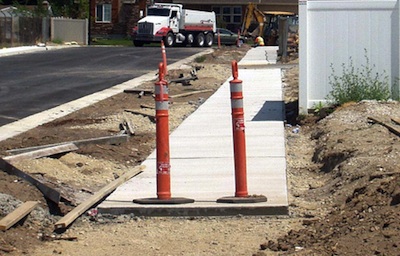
[[174, 20]]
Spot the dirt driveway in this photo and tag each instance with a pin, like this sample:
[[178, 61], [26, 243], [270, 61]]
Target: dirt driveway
[[343, 179]]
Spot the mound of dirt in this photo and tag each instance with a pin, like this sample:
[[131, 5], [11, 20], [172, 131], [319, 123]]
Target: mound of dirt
[[345, 183]]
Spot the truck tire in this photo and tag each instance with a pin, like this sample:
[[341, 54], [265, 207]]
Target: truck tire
[[169, 40], [138, 43], [209, 39], [200, 40]]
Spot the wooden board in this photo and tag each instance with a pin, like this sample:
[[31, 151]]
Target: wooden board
[[116, 139], [189, 93], [17, 214], [147, 106], [391, 128], [47, 191], [42, 152], [143, 91], [76, 212], [396, 120], [138, 112]]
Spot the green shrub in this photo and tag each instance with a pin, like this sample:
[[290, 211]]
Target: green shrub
[[200, 59], [57, 41], [358, 84]]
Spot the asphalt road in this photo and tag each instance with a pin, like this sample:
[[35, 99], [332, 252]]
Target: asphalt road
[[33, 82]]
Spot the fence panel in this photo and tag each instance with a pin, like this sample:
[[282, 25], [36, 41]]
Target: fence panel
[[68, 30], [30, 30], [16, 31], [332, 32]]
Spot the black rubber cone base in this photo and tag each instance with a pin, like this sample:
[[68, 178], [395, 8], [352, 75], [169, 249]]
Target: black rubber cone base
[[173, 200], [243, 200]]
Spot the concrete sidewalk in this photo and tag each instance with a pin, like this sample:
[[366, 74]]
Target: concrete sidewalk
[[201, 150]]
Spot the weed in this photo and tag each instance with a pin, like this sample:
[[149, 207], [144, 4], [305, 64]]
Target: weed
[[57, 41], [318, 107], [358, 84], [112, 41]]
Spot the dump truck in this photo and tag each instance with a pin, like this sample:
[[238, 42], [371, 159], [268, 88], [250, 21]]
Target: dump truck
[[175, 25]]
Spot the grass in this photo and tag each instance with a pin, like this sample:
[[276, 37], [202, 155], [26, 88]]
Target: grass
[[200, 59], [112, 41], [57, 41]]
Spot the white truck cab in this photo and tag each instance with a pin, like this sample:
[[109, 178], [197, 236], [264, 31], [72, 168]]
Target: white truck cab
[[175, 25]]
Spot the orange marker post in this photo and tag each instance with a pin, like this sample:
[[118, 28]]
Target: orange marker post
[[219, 40], [239, 139], [164, 57], [162, 137], [238, 39], [163, 167], [239, 144]]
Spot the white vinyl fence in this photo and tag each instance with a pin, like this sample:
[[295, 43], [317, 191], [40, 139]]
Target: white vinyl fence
[[332, 32], [68, 30]]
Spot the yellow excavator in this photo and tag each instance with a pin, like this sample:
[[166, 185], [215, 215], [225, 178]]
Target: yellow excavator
[[265, 24], [251, 14]]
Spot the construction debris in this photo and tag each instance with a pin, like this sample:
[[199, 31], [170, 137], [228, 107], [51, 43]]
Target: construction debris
[[127, 127], [140, 92], [113, 140], [189, 93], [47, 191], [147, 106], [17, 215], [185, 81], [42, 152], [75, 213], [396, 120], [138, 112], [391, 128]]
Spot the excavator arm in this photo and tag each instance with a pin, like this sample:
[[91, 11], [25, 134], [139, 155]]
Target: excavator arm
[[251, 14]]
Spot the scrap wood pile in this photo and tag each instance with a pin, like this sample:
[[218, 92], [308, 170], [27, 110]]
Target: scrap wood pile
[[57, 195]]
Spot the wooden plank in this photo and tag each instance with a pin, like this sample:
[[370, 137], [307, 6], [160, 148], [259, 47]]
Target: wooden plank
[[48, 192], [115, 139], [396, 120], [140, 92], [391, 128], [138, 112], [189, 93], [42, 152], [147, 106], [130, 127], [17, 214], [76, 212]]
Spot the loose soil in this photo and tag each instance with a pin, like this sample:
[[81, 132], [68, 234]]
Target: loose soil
[[342, 170]]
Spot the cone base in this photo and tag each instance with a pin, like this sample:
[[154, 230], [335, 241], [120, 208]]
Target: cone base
[[173, 200], [243, 200]]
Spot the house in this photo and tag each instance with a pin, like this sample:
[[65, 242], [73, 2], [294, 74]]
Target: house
[[113, 17], [118, 17]]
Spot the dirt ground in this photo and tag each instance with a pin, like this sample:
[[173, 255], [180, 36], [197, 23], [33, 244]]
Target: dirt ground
[[342, 169]]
